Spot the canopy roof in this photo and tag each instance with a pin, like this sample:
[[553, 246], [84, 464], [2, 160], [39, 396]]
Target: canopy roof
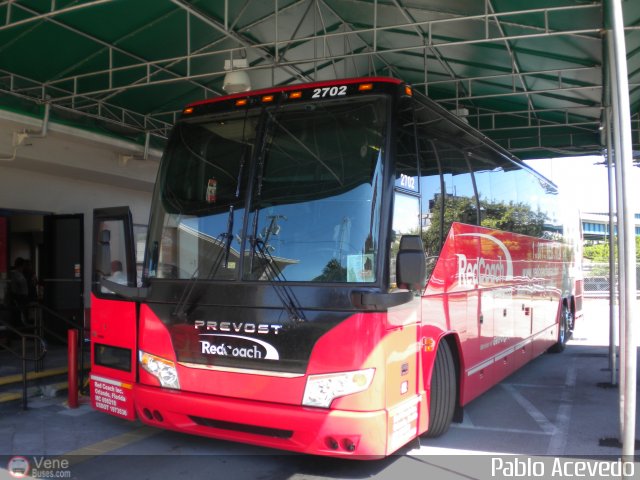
[[532, 79]]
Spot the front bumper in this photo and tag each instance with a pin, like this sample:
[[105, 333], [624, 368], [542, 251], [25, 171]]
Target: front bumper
[[288, 427]]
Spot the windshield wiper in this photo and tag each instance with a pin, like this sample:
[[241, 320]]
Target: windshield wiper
[[273, 274], [259, 247], [180, 311]]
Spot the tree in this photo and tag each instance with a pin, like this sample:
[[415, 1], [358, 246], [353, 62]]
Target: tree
[[517, 217], [332, 272], [599, 252]]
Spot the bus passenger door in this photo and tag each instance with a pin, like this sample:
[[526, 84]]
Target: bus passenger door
[[113, 332]]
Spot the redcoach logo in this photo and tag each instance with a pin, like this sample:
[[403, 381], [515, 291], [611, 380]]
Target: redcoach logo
[[481, 270], [237, 346]]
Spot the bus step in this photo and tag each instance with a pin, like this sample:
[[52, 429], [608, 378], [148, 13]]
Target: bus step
[[17, 377], [49, 384]]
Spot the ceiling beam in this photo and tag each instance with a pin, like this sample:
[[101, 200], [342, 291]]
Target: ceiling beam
[[112, 47], [262, 49], [46, 15]]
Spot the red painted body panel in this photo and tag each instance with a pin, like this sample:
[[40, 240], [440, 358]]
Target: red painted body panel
[[310, 427], [499, 293], [113, 323]]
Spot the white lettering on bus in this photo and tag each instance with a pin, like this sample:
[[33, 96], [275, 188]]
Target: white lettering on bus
[[479, 271], [221, 349], [483, 270], [336, 91], [224, 350], [407, 182], [240, 327], [547, 251]]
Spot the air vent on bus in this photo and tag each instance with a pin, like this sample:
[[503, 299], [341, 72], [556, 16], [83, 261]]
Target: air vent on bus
[[242, 427]]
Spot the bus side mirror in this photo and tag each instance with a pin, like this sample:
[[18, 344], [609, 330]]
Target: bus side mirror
[[411, 264]]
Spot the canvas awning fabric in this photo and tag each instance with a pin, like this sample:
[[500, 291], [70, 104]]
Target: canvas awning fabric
[[529, 75]]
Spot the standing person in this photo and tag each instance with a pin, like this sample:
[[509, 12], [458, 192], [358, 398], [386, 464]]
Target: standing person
[[18, 282], [18, 291], [32, 281]]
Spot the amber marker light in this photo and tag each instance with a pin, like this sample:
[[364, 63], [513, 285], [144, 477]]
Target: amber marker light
[[429, 344], [267, 98], [187, 111], [408, 91], [241, 102], [365, 87], [295, 95]]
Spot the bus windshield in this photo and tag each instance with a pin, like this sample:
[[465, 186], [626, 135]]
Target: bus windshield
[[313, 175]]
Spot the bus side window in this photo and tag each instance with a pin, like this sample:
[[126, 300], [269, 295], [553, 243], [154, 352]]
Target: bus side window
[[447, 189], [508, 197], [406, 164], [448, 192], [406, 209], [406, 221]]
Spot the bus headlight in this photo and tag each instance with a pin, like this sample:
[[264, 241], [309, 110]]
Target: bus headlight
[[164, 370], [321, 390]]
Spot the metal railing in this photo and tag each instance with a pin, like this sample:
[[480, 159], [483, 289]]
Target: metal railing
[[36, 356], [70, 324], [27, 324], [597, 279]]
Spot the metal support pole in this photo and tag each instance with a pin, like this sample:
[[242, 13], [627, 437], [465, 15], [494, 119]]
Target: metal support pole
[[72, 361], [615, 107], [613, 324], [624, 164], [24, 372]]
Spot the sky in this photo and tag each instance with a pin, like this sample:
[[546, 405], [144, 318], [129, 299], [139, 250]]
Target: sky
[[583, 181]]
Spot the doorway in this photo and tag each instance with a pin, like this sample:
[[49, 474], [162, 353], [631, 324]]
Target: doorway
[[53, 246]]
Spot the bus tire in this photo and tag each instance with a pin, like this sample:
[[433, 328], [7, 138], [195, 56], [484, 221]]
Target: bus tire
[[442, 403], [564, 331]]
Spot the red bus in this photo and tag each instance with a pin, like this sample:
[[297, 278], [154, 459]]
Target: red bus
[[332, 268]]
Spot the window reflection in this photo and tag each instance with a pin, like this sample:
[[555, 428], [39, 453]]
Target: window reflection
[[406, 221], [316, 206], [196, 226], [463, 179], [110, 255]]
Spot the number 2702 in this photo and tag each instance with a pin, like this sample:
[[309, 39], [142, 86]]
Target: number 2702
[[329, 91]]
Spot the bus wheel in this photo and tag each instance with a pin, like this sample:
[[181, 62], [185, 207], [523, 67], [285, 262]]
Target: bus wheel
[[566, 323], [442, 403]]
